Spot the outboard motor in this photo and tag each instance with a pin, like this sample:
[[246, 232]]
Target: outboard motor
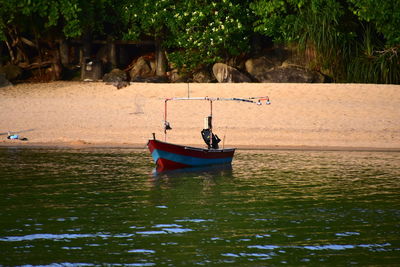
[[205, 133]]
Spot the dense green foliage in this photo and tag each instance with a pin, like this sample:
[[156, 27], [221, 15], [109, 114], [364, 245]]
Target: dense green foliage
[[214, 32], [72, 18], [197, 32], [317, 24], [353, 40]]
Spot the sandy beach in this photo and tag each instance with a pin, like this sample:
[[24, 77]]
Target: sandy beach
[[301, 116]]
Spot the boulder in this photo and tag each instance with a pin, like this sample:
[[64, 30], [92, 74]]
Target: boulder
[[227, 74], [300, 57], [236, 62], [119, 84], [174, 76], [257, 67], [11, 72], [292, 74], [116, 75], [153, 79], [142, 68], [277, 54], [202, 76], [3, 81]]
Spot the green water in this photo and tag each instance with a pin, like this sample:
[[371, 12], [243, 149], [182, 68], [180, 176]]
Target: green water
[[106, 207]]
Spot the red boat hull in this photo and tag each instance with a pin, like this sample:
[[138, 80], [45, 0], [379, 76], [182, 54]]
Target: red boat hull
[[169, 156]]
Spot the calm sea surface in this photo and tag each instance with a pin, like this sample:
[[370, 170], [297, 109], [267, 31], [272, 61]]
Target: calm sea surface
[[92, 207]]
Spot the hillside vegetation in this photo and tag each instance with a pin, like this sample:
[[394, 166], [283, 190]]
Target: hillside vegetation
[[346, 40]]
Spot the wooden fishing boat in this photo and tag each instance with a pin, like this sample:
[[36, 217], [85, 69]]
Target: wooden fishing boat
[[169, 156]]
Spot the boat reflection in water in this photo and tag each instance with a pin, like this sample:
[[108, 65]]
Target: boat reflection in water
[[211, 170]]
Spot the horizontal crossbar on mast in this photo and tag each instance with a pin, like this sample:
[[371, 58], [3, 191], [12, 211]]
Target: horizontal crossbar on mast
[[256, 100]]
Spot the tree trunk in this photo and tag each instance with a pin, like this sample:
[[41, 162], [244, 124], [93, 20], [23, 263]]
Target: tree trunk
[[64, 52], [37, 44], [85, 52], [19, 54], [112, 53], [1, 53], [161, 59], [56, 67], [10, 51]]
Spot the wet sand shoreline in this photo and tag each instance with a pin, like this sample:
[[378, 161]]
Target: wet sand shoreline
[[69, 145]]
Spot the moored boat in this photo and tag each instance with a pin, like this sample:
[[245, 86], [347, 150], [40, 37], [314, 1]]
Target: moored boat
[[169, 156]]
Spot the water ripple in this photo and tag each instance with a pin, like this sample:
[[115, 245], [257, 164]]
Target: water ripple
[[322, 247], [60, 237], [94, 207]]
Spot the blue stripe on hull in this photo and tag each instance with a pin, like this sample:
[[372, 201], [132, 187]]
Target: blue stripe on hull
[[187, 160]]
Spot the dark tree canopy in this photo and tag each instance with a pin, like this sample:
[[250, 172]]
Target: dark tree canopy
[[354, 40]]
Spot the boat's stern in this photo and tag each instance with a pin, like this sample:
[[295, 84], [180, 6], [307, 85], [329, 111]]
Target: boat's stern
[[151, 145]]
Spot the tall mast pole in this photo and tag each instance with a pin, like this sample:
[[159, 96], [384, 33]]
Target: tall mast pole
[[211, 115], [165, 120]]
